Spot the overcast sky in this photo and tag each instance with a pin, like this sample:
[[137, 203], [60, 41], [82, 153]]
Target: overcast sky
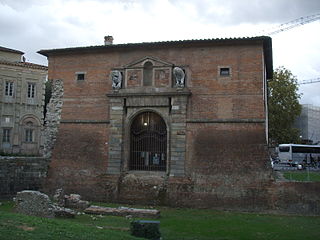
[[31, 25]]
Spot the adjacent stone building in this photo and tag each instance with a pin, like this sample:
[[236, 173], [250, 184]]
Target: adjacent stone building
[[21, 103], [309, 123], [178, 122]]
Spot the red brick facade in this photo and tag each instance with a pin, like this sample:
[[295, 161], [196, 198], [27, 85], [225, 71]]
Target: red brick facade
[[216, 124]]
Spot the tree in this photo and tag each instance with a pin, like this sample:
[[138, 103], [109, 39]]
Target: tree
[[47, 96], [283, 106]]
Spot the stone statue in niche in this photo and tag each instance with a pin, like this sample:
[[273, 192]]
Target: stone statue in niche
[[179, 76], [116, 78]]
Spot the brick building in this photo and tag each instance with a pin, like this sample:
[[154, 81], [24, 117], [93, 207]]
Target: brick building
[[178, 122], [21, 103]]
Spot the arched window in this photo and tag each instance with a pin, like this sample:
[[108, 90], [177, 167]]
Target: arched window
[[30, 130], [148, 143], [147, 74]]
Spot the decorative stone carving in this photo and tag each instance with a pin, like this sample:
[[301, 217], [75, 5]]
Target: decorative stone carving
[[116, 78], [179, 76]]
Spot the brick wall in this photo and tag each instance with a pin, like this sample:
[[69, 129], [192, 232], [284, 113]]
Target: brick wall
[[21, 173], [224, 161], [79, 158]]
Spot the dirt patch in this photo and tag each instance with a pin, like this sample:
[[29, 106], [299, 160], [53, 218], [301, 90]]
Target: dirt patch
[[26, 228]]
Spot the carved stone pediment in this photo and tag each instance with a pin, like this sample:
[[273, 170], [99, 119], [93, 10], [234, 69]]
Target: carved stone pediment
[[149, 72], [155, 61]]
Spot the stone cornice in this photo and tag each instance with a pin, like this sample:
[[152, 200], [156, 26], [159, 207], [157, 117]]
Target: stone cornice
[[154, 93]]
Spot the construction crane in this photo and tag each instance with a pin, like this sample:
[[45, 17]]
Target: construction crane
[[292, 24], [308, 81]]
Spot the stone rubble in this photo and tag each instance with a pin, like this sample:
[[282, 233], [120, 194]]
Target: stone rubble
[[70, 201], [35, 203], [74, 201]]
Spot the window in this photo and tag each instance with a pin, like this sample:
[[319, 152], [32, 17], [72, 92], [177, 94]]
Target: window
[[29, 135], [224, 71], [296, 149], [7, 119], [6, 135], [80, 76], [9, 89], [284, 149], [147, 74], [31, 90]]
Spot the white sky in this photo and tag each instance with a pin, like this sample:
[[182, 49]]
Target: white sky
[[31, 25]]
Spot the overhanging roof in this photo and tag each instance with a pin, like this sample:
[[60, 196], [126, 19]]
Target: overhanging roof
[[3, 49], [266, 41]]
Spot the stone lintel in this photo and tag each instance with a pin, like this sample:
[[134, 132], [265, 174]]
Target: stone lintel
[[152, 92], [148, 101]]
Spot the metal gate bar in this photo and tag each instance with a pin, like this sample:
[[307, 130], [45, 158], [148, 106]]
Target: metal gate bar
[[148, 143]]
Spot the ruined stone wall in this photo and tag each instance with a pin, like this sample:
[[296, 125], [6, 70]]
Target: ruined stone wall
[[21, 173], [53, 116]]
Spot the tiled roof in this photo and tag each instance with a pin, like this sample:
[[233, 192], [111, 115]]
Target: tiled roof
[[267, 46], [10, 50], [25, 64], [47, 52]]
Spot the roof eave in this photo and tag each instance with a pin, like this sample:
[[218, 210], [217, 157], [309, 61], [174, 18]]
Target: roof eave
[[266, 41], [181, 43]]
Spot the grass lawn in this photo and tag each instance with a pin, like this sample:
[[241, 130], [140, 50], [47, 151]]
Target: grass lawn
[[176, 224], [302, 176]]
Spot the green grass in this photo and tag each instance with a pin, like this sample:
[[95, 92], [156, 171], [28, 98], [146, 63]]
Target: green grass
[[175, 224], [302, 176], [16, 226]]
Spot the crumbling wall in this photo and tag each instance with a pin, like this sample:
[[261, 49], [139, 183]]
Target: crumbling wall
[[21, 173], [295, 197], [53, 117]]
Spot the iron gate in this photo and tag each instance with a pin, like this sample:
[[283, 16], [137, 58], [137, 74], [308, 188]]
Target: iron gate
[[148, 143]]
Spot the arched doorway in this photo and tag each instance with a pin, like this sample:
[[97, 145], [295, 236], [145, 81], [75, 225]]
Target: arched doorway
[[148, 143]]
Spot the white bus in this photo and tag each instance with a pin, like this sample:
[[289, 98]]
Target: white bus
[[295, 154]]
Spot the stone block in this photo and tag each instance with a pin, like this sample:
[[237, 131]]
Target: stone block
[[123, 211], [146, 229], [113, 170]]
